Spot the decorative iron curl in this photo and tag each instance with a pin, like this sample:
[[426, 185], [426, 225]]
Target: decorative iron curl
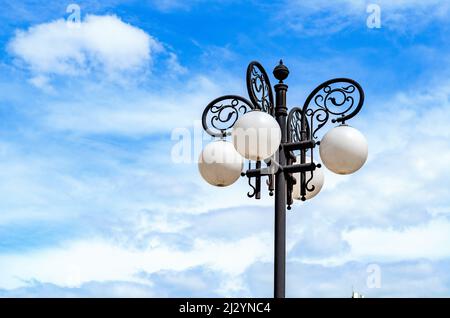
[[298, 129], [302, 177], [341, 98], [259, 88], [318, 115], [252, 193], [222, 113], [298, 126], [312, 187]]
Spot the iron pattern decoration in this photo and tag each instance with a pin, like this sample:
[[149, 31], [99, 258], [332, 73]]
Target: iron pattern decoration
[[260, 92], [337, 99], [259, 88], [297, 129], [341, 98], [222, 113]]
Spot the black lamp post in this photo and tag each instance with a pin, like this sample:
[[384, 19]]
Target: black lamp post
[[345, 151]]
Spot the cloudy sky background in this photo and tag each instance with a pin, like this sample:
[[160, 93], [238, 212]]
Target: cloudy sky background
[[92, 204]]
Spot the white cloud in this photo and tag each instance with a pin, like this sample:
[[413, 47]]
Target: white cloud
[[99, 43], [42, 82], [430, 240], [96, 259], [174, 65]]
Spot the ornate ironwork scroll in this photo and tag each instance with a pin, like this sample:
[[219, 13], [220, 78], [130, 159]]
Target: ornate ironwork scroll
[[256, 188], [296, 131], [222, 113], [341, 98], [259, 88]]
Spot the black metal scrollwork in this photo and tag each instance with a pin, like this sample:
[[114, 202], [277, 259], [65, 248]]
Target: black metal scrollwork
[[222, 113], [341, 98], [297, 131], [338, 99], [254, 190], [259, 88]]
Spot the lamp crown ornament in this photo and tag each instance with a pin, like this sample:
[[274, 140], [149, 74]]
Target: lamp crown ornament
[[281, 72]]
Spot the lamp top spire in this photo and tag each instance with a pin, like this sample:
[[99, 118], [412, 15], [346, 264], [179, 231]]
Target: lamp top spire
[[281, 72]]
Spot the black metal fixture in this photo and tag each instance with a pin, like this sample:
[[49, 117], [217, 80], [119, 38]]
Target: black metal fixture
[[292, 165]]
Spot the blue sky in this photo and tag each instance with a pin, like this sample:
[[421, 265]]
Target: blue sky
[[92, 203]]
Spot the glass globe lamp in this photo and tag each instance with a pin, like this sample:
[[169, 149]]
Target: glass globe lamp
[[343, 150], [256, 135], [220, 164]]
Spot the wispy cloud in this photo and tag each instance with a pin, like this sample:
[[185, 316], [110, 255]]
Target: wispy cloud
[[321, 17], [83, 261], [431, 241]]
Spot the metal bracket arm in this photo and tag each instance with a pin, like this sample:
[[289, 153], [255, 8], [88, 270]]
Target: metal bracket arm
[[300, 145], [302, 167], [252, 173]]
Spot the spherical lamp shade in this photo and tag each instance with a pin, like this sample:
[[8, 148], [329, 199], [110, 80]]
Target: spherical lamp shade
[[343, 150], [317, 181], [256, 135], [220, 164]]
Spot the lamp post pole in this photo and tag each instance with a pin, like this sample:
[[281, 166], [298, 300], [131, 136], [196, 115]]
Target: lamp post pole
[[289, 171], [280, 72]]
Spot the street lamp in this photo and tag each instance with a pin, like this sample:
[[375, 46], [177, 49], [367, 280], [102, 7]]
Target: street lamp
[[256, 135], [343, 149], [220, 164], [280, 145]]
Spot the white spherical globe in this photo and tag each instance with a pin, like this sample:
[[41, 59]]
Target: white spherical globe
[[220, 164], [256, 135], [317, 181], [343, 149]]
